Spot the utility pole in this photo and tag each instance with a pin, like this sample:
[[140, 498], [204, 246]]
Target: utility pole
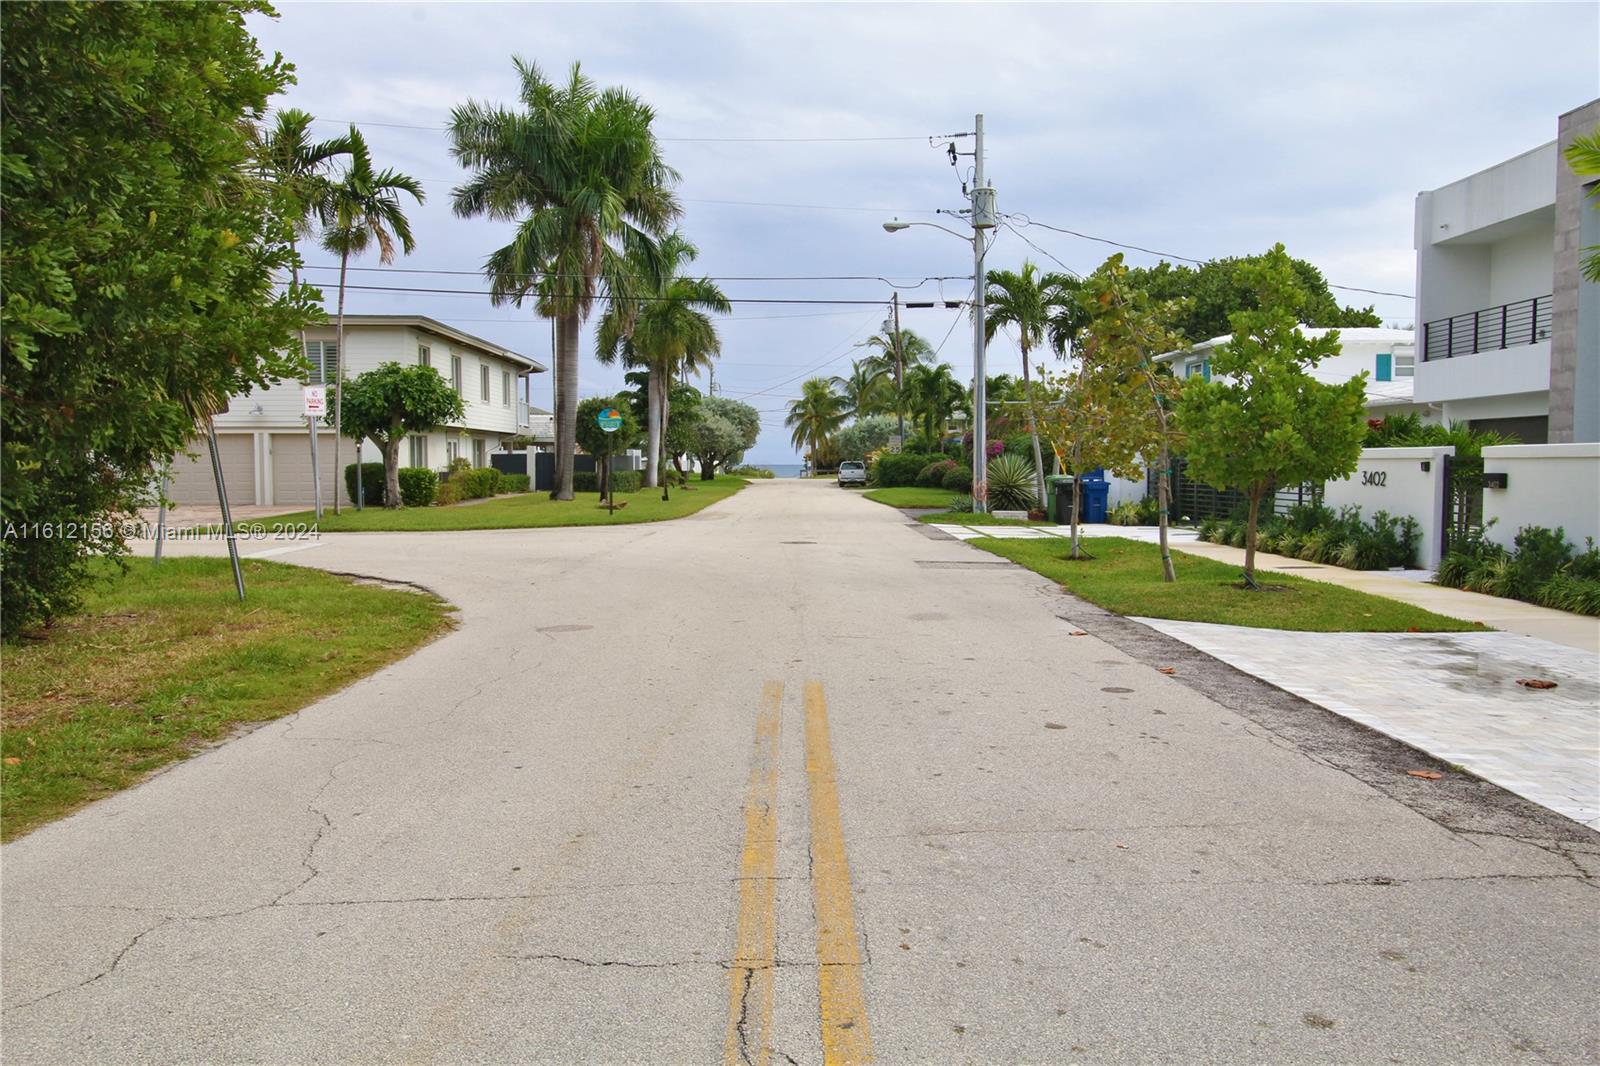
[[899, 373], [983, 217]]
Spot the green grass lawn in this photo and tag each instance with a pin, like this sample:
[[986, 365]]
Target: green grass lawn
[[163, 660], [526, 510], [967, 518], [1125, 576], [911, 496]]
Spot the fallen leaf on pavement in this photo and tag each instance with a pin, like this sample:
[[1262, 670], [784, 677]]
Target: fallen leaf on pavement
[[1077, 633], [1054, 725], [1169, 669], [1431, 775], [1535, 682], [1124, 847]]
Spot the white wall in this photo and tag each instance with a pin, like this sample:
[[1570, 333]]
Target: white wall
[[1547, 485], [1393, 480], [1522, 266], [1503, 372]]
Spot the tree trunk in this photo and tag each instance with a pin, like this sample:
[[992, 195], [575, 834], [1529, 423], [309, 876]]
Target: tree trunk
[[391, 468], [708, 468], [652, 412], [1163, 503], [566, 404], [1077, 488], [1250, 537], [338, 389], [677, 464], [1033, 432], [666, 412]]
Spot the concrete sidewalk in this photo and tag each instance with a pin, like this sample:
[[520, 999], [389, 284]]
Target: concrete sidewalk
[[1407, 586]]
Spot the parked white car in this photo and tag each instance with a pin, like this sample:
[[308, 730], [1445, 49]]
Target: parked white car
[[853, 473]]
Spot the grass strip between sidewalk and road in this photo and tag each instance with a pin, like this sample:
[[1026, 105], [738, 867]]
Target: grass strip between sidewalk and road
[[525, 510], [164, 660], [968, 518], [911, 496], [1124, 576]]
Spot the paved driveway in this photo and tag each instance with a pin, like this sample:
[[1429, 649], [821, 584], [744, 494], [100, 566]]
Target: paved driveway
[[785, 779]]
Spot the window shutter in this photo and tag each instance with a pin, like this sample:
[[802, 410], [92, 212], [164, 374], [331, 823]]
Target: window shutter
[[1385, 366]]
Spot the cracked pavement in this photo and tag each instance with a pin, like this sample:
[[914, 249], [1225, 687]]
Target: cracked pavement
[[522, 844]]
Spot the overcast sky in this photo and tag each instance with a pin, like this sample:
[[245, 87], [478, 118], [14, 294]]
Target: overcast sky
[[1203, 130]]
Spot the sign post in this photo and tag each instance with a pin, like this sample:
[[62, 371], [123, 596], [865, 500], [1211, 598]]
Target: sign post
[[610, 420], [316, 405]]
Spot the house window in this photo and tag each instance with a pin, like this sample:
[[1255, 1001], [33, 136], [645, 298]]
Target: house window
[[324, 359], [455, 373], [483, 382], [424, 356], [478, 457], [1405, 366], [1200, 368], [419, 451], [1385, 366], [505, 388], [452, 450]]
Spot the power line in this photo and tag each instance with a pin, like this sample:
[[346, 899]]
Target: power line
[[712, 277], [605, 298], [697, 140]]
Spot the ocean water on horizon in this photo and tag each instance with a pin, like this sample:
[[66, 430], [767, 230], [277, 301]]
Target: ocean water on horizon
[[781, 469]]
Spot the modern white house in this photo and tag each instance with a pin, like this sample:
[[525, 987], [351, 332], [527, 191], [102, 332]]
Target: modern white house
[[1510, 331], [264, 442], [1389, 357]]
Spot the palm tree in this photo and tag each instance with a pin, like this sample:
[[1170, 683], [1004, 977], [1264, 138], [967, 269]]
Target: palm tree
[[361, 208], [815, 417], [664, 326], [933, 394], [580, 172], [1027, 300], [900, 349], [863, 390]]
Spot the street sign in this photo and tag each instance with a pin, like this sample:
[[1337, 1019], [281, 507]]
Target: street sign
[[316, 400], [610, 419]]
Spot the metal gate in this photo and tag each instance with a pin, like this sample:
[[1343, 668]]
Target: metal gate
[[1463, 502]]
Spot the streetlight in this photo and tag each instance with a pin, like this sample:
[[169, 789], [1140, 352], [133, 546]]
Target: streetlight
[[982, 216]]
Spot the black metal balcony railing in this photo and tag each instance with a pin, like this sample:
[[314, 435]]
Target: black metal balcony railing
[[1491, 329]]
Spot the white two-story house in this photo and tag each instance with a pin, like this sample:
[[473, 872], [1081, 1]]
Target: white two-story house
[[1389, 356], [265, 445]]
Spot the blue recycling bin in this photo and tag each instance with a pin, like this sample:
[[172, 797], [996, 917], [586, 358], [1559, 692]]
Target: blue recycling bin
[[1095, 494]]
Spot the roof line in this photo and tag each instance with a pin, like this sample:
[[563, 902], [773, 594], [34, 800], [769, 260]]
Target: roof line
[[448, 332]]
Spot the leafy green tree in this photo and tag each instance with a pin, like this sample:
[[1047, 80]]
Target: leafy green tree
[[864, 436], [814, 418], [579, 170], [725, 430], [664, 326], [1026, 301], [1263, 420], [361, 209], [139, 245], [1583, 156], [1086, 415], [1219, 287], [602, 445], [898, 349], [933, 395], [683, 401], [386, 404], [1123, 332]]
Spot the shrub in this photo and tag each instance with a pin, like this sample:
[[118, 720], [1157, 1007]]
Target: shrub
[[459, 465], [585, 481], [1018, 444], [750, 471], [933, 474], [478, 483], [371, 483], [958, 479], [1011, 484], [1569, 592], [1125, 513], [418, 486], [961, 505], [513, 482], [1539, 554], [900, 468], [626, 480], [1209, 528], [447, 493]]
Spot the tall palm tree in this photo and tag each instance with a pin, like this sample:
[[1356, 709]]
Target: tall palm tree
[[1026, 300], [360, 209], [900, 349], [664, 326], [933, 395], [815, 417], [580, 172], [867, 388]]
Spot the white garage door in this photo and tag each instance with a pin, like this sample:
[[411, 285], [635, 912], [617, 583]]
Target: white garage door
[[291, 468], [191, 478]]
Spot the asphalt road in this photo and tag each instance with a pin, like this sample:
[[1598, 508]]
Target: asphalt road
[[792, 780]]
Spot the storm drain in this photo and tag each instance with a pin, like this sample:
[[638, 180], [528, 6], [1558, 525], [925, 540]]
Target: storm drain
[[796, 542], [950, 564]]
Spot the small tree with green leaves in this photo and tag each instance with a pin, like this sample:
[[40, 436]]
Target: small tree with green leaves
[[603, 445], [1263, 420], [387, 404], [726, 430], [1088, 416]]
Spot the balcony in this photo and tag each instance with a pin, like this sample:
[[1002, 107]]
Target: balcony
[[1491, 329]]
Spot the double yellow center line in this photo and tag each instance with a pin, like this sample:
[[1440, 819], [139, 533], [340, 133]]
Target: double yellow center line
[[841, 997]]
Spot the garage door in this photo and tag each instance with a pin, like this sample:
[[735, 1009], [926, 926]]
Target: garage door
[[191, 478], [291, 468]]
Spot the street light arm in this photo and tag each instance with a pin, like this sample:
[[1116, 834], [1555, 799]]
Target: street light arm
[[896, 226]]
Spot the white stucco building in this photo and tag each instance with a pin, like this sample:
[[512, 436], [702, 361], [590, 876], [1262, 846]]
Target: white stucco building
[[1509, 329], [265, 445], [1388, 356]]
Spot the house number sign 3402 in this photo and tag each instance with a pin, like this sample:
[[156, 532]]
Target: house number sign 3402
[[1375, 477]]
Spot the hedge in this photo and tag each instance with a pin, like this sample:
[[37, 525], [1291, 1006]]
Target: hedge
[[418, 486], [901, 468], [371, 483]]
